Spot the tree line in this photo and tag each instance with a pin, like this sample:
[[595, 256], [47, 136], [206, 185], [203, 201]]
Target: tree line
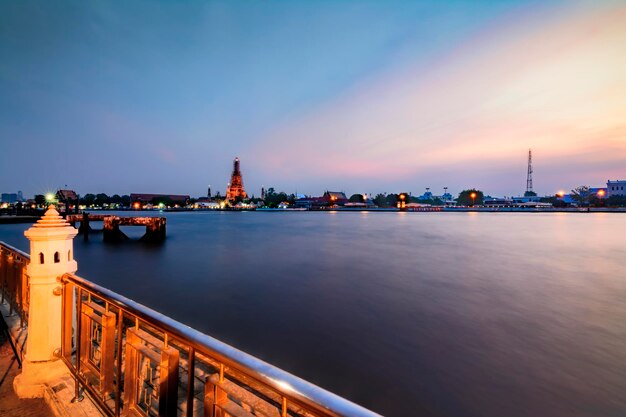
[[582, 196], [92, 200]]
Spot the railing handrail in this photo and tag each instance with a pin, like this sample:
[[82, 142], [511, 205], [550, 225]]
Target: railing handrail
[[285, 383], [16, 288], [14, 249]]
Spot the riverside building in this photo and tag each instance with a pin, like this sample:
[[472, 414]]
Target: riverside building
[[615, 188]]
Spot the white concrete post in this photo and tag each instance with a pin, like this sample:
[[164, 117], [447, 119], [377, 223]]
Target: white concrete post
[[51, 255]]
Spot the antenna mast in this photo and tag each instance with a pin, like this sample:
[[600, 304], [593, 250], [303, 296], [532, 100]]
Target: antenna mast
[[529, 177]]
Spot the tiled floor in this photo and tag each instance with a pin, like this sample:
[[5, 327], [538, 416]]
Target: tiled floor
[[10, 404]]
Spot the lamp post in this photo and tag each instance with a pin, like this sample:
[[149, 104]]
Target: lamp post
[[600, 194], [473, 195]]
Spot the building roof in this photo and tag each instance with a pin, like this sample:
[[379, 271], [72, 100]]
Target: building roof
[[337, 194], [67, 195]]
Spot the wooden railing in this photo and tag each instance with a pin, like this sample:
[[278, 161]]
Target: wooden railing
[[134, 361], [14, 280]]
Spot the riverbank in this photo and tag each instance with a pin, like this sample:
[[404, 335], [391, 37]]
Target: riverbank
[[456, 209], [432, 209]]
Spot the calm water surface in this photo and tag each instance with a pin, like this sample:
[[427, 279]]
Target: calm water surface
[[409, 314]]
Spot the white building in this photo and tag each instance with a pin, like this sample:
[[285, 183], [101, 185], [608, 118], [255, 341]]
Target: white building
[[615, 188]]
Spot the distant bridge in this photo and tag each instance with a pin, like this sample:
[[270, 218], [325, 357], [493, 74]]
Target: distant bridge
[[155, 226]]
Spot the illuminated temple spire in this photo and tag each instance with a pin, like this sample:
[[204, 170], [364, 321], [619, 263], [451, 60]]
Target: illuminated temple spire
[[235, 188]]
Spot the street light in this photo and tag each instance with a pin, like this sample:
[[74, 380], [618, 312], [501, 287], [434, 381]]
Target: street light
[[473, 195], [401, 203], [601, 193]]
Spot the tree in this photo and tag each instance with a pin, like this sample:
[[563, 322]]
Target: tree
[[392, 200], [380, 200], [88, 199], [581, 195], [616, 201], [126, 200], [116, 199], [102, 199], [596, 201], [357, 198], [40, 199], [465, 197], [273, 199]]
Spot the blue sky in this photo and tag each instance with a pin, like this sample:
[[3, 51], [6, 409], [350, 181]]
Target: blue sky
[[147, 96]]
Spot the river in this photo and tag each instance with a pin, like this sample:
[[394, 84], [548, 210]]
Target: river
[[409, 314]]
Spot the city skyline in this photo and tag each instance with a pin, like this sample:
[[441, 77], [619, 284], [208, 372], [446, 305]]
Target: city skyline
[[355, 96]]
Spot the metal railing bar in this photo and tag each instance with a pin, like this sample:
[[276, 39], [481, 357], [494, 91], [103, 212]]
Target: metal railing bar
[[79, 302], [118, 376], [93, 394], [10, 248], [14, 282], [190, 380], [290, 386]]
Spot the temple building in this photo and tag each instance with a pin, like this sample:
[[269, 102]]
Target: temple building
[[235, 188]]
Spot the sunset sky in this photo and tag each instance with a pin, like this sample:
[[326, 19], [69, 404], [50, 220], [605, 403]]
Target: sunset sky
[[147, 96]]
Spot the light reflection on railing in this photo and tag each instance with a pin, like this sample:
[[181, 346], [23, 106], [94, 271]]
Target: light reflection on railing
[[14, 284], [135, 361]]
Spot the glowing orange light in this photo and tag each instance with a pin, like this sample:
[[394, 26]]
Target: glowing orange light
[[402, 196], [561, 194], [473, 195], [601, 193], [136, 205]]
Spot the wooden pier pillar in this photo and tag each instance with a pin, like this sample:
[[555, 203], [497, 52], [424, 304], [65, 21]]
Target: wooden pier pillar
[[84, 227], [111, 231], [155, 230]]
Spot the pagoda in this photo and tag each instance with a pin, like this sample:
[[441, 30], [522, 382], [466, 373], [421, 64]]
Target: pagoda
[[235, 188]]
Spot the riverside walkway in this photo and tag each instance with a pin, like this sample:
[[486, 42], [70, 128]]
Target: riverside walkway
[[10, 404], [91, 351]]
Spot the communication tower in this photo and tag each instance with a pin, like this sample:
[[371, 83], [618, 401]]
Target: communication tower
[[529, 176]]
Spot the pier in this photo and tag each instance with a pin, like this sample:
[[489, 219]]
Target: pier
[[155, 226]]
